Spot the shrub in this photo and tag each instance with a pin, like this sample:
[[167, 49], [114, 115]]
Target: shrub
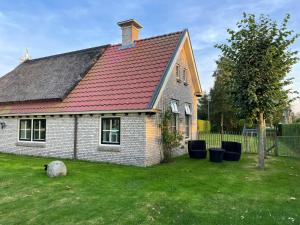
[[204, 126], [170, 139], [289, 129]]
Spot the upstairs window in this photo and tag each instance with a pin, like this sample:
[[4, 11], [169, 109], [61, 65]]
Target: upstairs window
[[32, 130], [178, 72], [184, 76], [110, 131]]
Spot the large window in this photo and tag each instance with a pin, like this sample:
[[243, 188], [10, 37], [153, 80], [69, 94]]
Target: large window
[[110, 131], [32, 130]]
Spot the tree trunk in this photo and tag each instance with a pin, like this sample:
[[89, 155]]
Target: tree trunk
[[261, 141], [265, 139]]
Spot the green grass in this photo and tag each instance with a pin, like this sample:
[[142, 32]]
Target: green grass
[[182, 192]]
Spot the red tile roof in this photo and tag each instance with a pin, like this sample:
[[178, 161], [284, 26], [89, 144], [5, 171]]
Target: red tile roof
[[122, 79]]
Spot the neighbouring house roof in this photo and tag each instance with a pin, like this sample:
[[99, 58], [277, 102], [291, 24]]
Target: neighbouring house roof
[[120, 80], [51, 77]]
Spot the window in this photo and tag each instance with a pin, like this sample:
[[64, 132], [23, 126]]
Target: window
[[174, 106], [187, 119], [187, 109], [178, 72], [32, 130], [175, 112], [25, 130], [39, 130], [110, 131], [184, 75], [174, 122], [187, 126]]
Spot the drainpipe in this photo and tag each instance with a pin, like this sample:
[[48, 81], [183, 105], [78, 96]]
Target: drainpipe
[[75, 136]]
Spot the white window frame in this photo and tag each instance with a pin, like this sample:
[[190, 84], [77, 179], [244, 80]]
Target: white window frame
[[100, 131], [40, 130], [31, 132], [26, 129]]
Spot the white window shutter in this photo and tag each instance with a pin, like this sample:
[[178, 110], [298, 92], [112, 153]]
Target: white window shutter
[[174, 107], [187, 109]]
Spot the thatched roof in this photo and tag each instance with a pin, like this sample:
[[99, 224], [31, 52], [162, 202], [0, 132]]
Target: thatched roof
[[51, 77]]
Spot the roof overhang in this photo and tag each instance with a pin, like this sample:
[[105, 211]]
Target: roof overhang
[[152, 111]]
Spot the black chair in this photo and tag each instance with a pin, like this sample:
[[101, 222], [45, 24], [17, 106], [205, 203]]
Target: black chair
[[233, 150], [197, 149]]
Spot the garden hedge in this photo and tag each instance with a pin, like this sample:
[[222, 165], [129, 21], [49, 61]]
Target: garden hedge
[[204, 126], [292, 129]]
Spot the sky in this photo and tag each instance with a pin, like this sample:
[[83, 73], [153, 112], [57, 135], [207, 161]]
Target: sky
[[48, 27]]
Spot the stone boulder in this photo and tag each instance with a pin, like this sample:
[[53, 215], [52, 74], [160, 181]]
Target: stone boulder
[[56, 169]]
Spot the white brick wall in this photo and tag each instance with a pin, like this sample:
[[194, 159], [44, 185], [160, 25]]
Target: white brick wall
[[60, 140], [131, 150], [59, 136]]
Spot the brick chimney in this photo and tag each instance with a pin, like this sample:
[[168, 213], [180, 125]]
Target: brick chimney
[[130, 32]]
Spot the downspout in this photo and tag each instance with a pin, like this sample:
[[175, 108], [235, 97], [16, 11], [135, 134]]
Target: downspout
[[75, 136]]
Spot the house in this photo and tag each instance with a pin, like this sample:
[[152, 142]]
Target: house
[[102, 103]]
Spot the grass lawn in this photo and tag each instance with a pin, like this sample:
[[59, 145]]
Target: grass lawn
[[182, 192]]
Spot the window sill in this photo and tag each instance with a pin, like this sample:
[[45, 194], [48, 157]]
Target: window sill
[[186, 140], [31, 144], [109, 148]]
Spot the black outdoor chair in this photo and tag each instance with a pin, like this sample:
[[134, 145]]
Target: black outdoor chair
[[233, 150], [197, 149]]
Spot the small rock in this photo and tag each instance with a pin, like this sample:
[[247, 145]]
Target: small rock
[[56, 169]]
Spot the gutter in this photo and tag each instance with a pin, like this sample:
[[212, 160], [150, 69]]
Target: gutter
[[80, 113]]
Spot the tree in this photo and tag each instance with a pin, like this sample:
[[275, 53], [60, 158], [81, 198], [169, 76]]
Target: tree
[[260, 58], [222, 110], [203, 107]]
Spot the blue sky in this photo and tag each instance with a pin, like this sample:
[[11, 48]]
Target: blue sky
[[48, 27]]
